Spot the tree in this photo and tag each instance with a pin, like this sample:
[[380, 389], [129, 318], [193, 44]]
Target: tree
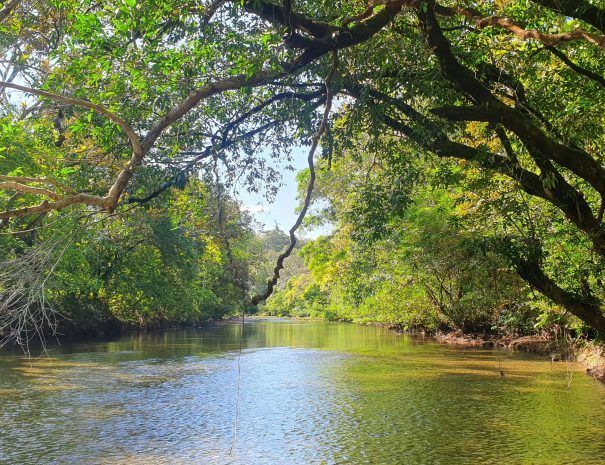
[[166, 84]]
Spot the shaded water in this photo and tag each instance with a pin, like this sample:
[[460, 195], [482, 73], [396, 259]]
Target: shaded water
[[311, 393]]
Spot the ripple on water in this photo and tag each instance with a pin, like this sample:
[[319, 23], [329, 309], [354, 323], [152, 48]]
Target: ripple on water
[[311, 393]]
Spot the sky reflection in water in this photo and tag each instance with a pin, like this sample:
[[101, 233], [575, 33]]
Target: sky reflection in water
[[311, 393]]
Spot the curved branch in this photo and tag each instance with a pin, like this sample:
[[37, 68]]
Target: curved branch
[[28, 180], [365, 14], [338, 38], [208, 90], [226, 143], [579, 9], [132, 137], [25, 189], [115, 191], [578, 69], [574, 159], [544, 37], [277, 14], [518, 29], [431, 137], [345, 38], [590, 312], [272, 281], [265, 103], [45, 206]]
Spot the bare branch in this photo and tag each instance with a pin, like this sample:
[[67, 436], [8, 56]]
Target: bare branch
[[25, 312], [272, 281], [518, 29], [44, 207], [28, 180], [25, 189]]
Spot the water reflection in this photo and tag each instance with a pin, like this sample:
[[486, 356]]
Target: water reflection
[[311, 392]]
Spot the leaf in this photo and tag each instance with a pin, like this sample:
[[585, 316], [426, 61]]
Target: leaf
[[16, 172]]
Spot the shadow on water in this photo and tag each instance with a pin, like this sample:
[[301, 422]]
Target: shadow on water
[[311, 393]]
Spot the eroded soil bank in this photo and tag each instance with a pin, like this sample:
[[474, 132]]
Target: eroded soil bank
[[589, 354]]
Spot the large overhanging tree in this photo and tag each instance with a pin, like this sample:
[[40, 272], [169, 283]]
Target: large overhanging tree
[[108, 89]]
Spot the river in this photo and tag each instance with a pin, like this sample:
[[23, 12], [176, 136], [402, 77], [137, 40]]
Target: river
[[310, 393]]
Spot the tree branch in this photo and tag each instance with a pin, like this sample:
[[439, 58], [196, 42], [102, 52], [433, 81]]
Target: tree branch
[[518, 30], [111, 200], [576, 160], [578, 69], [8, 8], [132, 137], [589, 311], [28, 180], [272, 281], [342, 38], [431, 137], [25, 189], [579, 9], [44, 207]]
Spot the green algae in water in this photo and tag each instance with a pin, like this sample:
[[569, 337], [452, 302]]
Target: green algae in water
[[311, 393]]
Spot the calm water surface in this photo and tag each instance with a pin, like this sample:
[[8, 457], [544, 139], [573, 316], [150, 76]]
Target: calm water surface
[[311, 393]]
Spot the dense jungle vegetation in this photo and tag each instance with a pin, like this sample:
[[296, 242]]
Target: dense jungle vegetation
[[455, 149]]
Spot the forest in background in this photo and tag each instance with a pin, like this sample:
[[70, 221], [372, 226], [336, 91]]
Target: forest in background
[[455, 148]]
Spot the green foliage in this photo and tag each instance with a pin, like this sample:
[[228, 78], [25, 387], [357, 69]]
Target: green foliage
[[147, 268], [301, 297], [419, 238], [427, 263]]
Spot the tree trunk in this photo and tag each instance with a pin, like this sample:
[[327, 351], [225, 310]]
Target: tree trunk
[[586, 309]]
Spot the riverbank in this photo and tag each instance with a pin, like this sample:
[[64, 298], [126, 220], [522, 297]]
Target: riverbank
[[589, 355]]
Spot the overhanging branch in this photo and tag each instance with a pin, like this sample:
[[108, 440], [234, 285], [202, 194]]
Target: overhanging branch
[[272, 281]]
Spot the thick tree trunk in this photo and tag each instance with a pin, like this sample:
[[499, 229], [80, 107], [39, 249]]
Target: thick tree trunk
[[589, 311]]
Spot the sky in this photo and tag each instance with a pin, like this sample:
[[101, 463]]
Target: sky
[[281, 211]]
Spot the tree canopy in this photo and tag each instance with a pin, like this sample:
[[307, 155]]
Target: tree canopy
[[486, 113]]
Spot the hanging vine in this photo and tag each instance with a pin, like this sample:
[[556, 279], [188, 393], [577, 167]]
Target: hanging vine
[[272, 281]]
